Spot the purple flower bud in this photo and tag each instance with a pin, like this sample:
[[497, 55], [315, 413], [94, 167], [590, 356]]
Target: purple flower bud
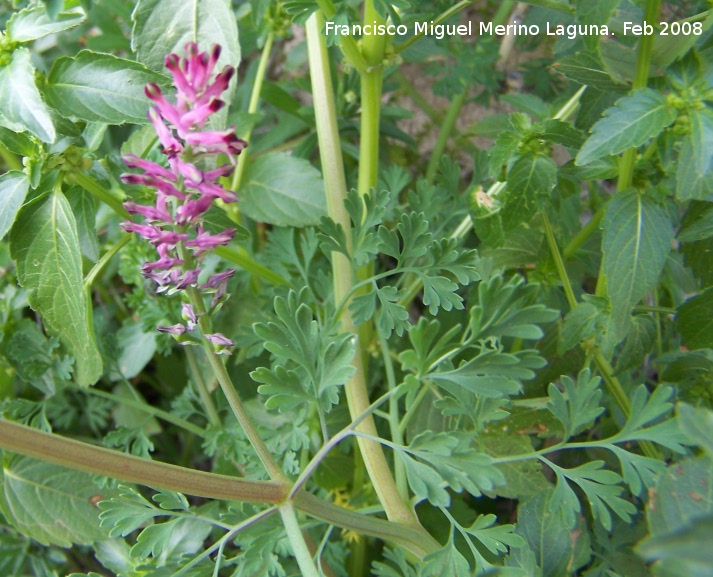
[[220, 340], [176, 330], [215, 280], [205, 241], [188, 313]]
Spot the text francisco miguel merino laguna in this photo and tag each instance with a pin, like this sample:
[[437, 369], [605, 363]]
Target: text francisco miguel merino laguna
[[440, 31]]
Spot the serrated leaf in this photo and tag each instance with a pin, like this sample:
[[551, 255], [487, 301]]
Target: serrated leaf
[[283, 190], [33, 23], [126, 512], [49, 503], [629, 123], [698, 222], [171, 539], [561, 133], [84, 207], [446, 562], [21, 106], [638, 343], [636, 241], [530, 182], [163, 26], [100, 88], [577, 406], [45, 246], [694, 169], [13, 190], [587, 68], [695, 321], [595, 12]]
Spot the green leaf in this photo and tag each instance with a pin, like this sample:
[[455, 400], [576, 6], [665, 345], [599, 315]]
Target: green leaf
[[21, 106], [529, 184], [681, 495], [100, 88], [84, 206], [694, 169], [164, 26], [630, 122], [126, 512], [577, 406], [33, 23], [17, 142], [446, 562], [697, 223], [695, 321], [697, 423], [636, 241], [639, 343], [171, 540], [543, 529], [45, 246], [595, 12], [283, 190], [587, 68], [685, 552], [50, 504], [13, 190]]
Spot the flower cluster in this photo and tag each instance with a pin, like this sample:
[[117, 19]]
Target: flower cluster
[[185, 192]]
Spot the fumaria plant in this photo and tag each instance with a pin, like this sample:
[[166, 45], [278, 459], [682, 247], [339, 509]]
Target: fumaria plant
[[398, 296]]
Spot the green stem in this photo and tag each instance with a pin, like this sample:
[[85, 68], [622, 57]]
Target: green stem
[[203, 393], [335, 185], [581, 237], [65, 452], [655, 309], [11, 160], [144, 407], [93, 187], [240, 257], [444, 134], [347, 44], [103, 261], [252, 108], [416, 96], [559, 263], [299, 547]]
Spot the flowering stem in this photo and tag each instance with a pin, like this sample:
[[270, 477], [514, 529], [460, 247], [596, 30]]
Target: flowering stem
[[203, 393]]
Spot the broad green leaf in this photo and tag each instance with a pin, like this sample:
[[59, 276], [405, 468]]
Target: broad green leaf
[[165, 26], [50, 504], [586, 68], [529, 183], [637, 238], [595, 12], [13, 189], [21, 106], [17, 142], [695, 321], [100, 88], [682, 494], [547, 536], [694, 170], [686, 552], [84, 206], [283, 190], [630, 122], [33, 23], [45, 246], [638, 343], [698, 222], [697, 424]]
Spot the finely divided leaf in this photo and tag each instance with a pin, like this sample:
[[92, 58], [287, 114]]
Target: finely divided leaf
[[21, 106], [45, 245], [637, 240], [630, 122], [100, 88]]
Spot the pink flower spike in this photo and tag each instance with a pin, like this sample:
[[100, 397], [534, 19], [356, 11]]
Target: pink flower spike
[[214, 191], [188, 313], [163, 106], [171, 145], [151, 213], [133, 161], [192, 210], [173, 63], [176, 330], [188, 279], [205, 242], [198, 116], [215, 280]]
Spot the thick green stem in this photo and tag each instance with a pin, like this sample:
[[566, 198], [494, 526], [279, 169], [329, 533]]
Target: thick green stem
[[27, 441], [103, 261], [581, 237], [335, 186]]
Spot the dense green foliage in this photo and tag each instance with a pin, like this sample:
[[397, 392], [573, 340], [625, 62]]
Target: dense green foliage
[[483, 346]]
